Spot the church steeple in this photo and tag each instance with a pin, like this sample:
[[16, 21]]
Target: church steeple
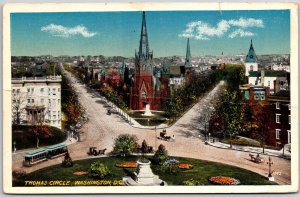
[[143, 52], [188, 56], [251, 56]]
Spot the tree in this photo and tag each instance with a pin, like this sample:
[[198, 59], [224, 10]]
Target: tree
[[99, 170], [160, 155], [40, 129], [144, 147], [263, 120], [125, 144], [67, 162], [18, 108], [232, 113]]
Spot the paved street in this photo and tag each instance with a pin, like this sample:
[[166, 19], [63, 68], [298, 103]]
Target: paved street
[[101, 130]]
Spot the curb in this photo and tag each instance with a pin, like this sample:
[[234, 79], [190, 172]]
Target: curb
[[269, 154]]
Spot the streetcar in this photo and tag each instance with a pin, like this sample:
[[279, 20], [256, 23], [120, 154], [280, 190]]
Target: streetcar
[[45, 153]]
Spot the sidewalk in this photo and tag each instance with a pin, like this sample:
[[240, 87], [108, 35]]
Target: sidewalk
[[251, 149]]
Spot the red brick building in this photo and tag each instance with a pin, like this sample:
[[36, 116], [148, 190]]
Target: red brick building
[[275, 108]]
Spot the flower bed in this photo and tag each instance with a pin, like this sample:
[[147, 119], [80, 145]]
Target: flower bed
[[223, 180], [80, 172], [185, 166], [129, 164]]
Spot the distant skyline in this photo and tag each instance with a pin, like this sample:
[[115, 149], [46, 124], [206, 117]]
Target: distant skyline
[[118, 33]]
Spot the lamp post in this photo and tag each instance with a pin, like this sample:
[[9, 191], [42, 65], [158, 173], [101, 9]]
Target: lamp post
[[15, 147], [270, 173], [208, 137]]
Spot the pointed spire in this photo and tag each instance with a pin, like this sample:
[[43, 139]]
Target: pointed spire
[[188, 55], [251, 56], [144, 45]]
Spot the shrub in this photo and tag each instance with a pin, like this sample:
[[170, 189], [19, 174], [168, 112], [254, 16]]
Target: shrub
[[144, 147], [99, 170], [161, 155], [125, 144], [191, 182], [67, 162]]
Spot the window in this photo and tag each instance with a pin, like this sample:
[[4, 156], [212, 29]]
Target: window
[[14, 101], [18, 90], [32, 100], [54, 116], [42, 101], [277, 105], [58, 101], [58, 89], [277, 118], [54, 89], [289, 105], [251, 68], [269, 83], [259, 95], [277, 134], [42, 90], [289, 119], [13, 90], [32, 89], [28, 90], [28, 100]]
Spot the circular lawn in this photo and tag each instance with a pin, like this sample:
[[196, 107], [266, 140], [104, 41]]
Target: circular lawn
[[198, 172]]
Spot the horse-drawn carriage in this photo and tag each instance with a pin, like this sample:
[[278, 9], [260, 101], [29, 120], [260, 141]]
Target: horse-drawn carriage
[[163, 136], [93, 151]]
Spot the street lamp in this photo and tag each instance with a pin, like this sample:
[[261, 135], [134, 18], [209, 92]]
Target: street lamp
[[208, 137], [15, 149], [270, 173]]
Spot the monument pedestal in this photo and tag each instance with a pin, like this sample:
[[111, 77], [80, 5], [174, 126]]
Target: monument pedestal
[[144, 175]]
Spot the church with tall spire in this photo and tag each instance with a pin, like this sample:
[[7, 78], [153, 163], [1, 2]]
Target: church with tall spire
[[143, 91], [251, 61]]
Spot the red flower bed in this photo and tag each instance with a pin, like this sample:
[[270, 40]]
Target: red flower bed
[[223, 180], [128, 164], [80, 172], [185, 166]]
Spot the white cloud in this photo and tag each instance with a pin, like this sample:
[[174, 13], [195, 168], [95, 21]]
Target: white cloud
[[200, 30], [240, 33], [61, 31]]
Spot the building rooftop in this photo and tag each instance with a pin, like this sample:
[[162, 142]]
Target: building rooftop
[[50, 78], [268, 73]]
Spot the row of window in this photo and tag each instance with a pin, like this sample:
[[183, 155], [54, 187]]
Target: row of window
[[278, 118], [42, 101], [31, 90], [278, 105], [277, 135]]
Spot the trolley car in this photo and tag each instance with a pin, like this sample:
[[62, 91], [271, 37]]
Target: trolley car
[[45, 153]]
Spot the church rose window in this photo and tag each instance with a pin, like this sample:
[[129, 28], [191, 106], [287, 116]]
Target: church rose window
[[143, 95]]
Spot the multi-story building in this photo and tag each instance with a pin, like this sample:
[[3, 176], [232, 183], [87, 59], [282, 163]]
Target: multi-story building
[[36, 100], [277, 110]]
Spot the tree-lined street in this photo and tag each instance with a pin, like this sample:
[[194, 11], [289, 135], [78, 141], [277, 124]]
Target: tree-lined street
[[101, 130]]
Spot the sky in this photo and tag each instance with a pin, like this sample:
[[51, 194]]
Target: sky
[[118, 33]]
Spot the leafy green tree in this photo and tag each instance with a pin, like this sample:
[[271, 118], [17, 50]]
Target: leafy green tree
[[160, 155], [125, 144], [232, 113], [99, 170]]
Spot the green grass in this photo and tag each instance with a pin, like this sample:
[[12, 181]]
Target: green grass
[[201, 171]]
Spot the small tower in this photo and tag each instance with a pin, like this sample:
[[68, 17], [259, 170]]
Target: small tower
[[188, 56], [251, 61]]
